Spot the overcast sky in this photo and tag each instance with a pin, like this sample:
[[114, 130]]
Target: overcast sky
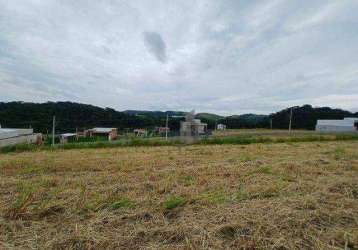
[[227, 56]]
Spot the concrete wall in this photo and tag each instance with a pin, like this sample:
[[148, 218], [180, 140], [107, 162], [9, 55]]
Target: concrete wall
[[33, 138], [9, 132], [335, 128]]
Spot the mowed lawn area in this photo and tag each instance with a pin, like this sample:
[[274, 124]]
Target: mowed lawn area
[[257, 196]]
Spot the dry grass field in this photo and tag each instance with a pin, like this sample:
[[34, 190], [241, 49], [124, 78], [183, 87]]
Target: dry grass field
[[258, 196]]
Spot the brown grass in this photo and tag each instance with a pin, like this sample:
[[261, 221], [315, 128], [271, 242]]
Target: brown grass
[[260, 196]]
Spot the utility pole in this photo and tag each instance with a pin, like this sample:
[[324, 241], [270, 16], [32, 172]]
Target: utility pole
[[271, 123], [290, 125], [53, 130], [166, 128]]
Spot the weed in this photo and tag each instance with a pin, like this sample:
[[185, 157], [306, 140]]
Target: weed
[[23, 200], [215, 197], [241, 195], [122, 203], [339, 153], [173, 202], [188, 180], [262, 170], [30, 170]]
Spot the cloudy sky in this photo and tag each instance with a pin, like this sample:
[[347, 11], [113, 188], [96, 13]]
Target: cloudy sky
[[227, 56]]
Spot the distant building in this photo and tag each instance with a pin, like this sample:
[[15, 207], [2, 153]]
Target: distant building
[[13, 136], [162, 130], [221, 126], [110, 133], [64, 138], [140, 132], [192, 128], [346, 125]]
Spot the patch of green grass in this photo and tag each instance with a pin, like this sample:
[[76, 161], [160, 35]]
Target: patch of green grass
[[241, 195], [25, 192], [188, 180], [246, 158], [24, 198], [122, 203], [30, 170], [173, 202], [339, 153], [262, 170], [216, 197], [237, 139]]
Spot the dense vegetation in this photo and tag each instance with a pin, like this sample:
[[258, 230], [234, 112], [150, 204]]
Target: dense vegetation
[[246, 121], [71, 116], [305, 117]]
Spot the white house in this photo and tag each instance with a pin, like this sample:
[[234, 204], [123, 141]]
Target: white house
[[221, 126], [349, 124]]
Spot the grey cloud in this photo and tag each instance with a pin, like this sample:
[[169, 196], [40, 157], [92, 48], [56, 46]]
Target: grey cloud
[[224, 56], [156, 45]]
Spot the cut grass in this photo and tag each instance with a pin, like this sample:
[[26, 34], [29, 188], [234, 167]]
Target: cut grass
[[263, 196]]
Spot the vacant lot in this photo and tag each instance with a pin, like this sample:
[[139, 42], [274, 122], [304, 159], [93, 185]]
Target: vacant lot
[[268, 196]]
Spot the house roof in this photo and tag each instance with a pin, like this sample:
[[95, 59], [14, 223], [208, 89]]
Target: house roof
[[102, 130], [68, 135], [344, 123], [13, 132]]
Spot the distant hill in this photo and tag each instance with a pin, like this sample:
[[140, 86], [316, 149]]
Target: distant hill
[[70, 116], [306, 116], [246, 121], [154, 113], [209, 116]]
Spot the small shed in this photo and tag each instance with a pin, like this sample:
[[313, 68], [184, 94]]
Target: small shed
[[221, 126], [64, 138], [162, 130], [139, 132], [110, 133]]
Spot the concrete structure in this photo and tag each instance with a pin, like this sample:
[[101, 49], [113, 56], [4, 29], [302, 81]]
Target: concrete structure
[[12, 136], [192, 128], [111, 133], [349, 124], [65, 137], [221, 127], [140, 132]]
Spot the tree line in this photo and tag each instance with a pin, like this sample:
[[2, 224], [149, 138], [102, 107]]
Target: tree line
[[71, 116]]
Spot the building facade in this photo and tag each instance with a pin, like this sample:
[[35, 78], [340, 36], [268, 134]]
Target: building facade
[[349, 124], [192, 128], [110, 133], [221, 127], [13, 136]]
